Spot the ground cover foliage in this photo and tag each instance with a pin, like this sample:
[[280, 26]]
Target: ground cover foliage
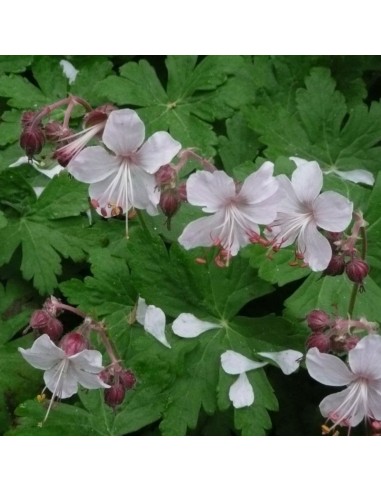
[[236, 112]]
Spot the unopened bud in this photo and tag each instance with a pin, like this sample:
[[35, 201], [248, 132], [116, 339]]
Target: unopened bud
[[105, 376], [73, 342], [351, 343], [320, 341], [357, 269], [39, 319], [53, 328], [27, 118], [32, 140], [165, 175], [375, 425], [169, 203], [336, 266], [318, 320], [127, 379], [98, 115], [114, 396], [55, 131]]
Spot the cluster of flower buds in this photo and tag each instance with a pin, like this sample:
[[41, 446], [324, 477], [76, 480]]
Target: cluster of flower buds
[[67, 143], [45, 320], [173, 193], [120, 381], [336, 334], [345, 257]]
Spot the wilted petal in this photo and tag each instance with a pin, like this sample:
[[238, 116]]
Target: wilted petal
[[43, 354], [210, 190], [315, 247], [141, 310], [188, 326], [307, 181], [202, 232], [332, 212], [158, 150], [287, 360], [357, 176], [328, 369], [259, 185], [87, 360], [241, 393], [93, 164], [365, 358], [124, 132], [235, 363], [154, 324]]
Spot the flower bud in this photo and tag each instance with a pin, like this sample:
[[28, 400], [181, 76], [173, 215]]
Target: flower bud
[[357, 269], [27, 118], [169, 203], [73, 342], [114, 396], [53, 328], [98, 115], [39, 319], [351, 343], [182, 191], [105, 376], [375, 425], [336, 266], [320, 341], [317, 320], [165, 175], [32, 140], [127, 379], [55, 131]]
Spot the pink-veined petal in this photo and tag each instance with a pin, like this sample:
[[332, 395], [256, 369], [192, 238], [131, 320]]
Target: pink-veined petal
[[235, 363], [365, 358], [158, 150], [287, 360], [93, 164], [315, 248], [87, 360], [332, 211], [144, 192], [186, 325], [43, 354], [212, 191], [202, 232], [124, 132], [259, 186], [327, 369], [307, 181], [154, 324], [241, 393], [61, 381], [357, 176], [346, 407]]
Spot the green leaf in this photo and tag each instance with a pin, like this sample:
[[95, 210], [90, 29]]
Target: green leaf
[[10, 127], [14, 63], [91, 72], [373, 218]]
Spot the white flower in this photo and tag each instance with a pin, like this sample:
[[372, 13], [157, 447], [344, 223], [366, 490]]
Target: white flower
[[124, 179], [241, 393], [63, 372], [153, 320], [237, 211], [303, 209], [69, 71], [362, 397], [186, 325], [355, 176]]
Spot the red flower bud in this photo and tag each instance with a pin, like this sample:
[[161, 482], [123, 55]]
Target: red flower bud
[[105, 376], [351, 343], [54, 328], [357, 270], [114, 396], [27, 118], [336, 266], [165, 175], [127, 379], [55, 131], [98, 115], [39, 319], [317, 320], [169, 203], [32, 140], [73, 342], [320, 341]]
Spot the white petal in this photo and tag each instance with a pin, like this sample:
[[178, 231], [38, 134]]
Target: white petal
[[93, 164], [374, 400], [327, 369], [210, 190], [87, 360], [87, 380], [158, 150], [241, 393], [287, 360], [307, 181], [43, 354], [108, 194], [61, 381], [260, 185], [69, 71], [365, 358], [145, 194], [289, 202], [202, 232], [346, 406], [315, 247], [357, 176], [235, 363], [50, 173], [141, 311], [188, 326], [332, 211], [124, 132], [154, 324], [299, 161]]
